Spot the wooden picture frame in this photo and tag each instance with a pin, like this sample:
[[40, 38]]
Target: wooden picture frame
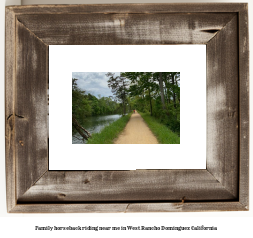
[[222, 186]]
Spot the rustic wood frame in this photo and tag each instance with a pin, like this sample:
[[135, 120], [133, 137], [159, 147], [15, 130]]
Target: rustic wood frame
[[223, 186]]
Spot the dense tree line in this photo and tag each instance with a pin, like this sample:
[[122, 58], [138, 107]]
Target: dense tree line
[[85, 105], [155, 92], [119, 87]]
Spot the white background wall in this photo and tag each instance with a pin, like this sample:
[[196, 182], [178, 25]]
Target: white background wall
[[231, 224]]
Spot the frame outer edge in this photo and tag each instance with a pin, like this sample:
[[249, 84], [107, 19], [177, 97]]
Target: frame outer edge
[[244, 106], [128, 8], [10, 65], [128, 207]]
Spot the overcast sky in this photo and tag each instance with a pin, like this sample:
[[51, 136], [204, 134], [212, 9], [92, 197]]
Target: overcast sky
[[94, 83]]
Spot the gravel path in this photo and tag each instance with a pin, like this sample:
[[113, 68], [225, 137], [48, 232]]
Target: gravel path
[[136, 132]]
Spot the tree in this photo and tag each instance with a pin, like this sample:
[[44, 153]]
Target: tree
[[142, 83], [80, 103], [161, 89], [118, 85], [80, 109], [157, 92]]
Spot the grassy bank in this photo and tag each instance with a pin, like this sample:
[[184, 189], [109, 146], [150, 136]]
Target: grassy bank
[[109, 133], [163, 133]]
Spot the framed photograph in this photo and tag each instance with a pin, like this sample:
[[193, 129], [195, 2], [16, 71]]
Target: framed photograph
[[32, 32], [138, 129]]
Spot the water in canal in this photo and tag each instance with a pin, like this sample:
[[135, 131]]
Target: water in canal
[[93, 125]]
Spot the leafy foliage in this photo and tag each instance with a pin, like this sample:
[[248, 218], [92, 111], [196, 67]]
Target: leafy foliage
[[118, 86], [156, 93], [84, 105], [80, 103], [146, 91], [163, 133]]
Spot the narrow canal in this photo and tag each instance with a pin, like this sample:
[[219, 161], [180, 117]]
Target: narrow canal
[[94, 125]]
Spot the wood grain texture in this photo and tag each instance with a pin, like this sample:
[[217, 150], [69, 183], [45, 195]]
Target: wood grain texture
[[129, 8], [186, 207], [222, 107], [140, 185], [9, 109], [129, 207], [30, 109], [223, 186], [134, 29], [244, 106]]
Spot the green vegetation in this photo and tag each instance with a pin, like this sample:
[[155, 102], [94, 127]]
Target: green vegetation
[[157, 93], [85, 105], [119, 86], [162, 132], [109, 133]]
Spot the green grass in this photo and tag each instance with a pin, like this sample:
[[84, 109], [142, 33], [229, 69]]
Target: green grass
[[162, 132], [109, 133]]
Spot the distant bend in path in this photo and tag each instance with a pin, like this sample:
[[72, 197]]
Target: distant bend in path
[[136, 132]]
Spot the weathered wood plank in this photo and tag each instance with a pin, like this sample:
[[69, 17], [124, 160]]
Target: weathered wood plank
[[244, 106], [27, 93], [222, 107], [30, 109], [114, 29], [129, 8], [9, 108], [140, 185], [186, 207], [128, 207]]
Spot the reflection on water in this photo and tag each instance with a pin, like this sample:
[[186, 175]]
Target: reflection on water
[[94, 125]]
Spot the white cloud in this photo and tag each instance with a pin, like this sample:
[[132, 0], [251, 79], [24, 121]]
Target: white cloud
[[94, 82]]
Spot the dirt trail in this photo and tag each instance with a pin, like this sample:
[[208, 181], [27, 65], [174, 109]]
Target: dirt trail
[[136, 132]]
